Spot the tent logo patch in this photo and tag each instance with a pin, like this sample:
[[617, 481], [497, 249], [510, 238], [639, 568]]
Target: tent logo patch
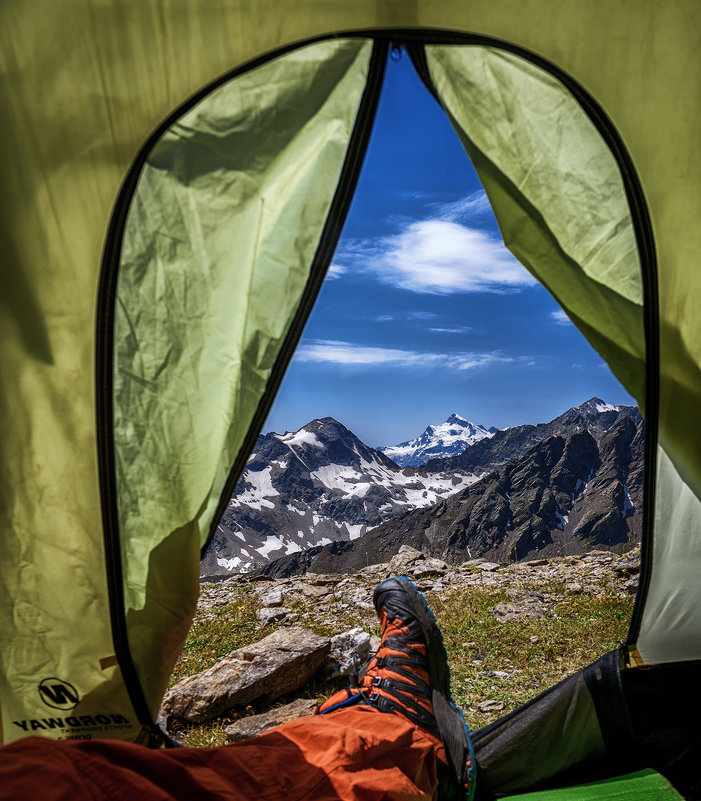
[[58, 694]]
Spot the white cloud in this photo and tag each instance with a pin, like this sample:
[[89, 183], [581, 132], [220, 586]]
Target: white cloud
[[348, 353], [335, 271], [560, 317], [440, 257]]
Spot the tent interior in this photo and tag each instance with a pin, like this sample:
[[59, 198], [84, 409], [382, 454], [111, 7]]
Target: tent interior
[[143, 340]]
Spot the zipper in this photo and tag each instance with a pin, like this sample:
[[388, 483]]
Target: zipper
[[642, 227], [340, 205]]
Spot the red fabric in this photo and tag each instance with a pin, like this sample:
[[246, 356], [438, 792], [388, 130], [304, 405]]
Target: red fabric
[[356, 753]]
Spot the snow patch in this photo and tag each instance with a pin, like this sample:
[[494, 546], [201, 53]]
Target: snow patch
[[229, 564], [628, 506], [272, 543], [301, 437], [354, 530], [292, 547], [258, 488], [606, 407]]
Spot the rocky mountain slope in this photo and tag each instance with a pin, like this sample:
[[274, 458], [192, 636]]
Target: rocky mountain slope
[[438, 442], [312, 487], [567, 494]]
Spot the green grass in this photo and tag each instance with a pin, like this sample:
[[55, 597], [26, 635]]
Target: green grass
[[216, 633], [534, 653]]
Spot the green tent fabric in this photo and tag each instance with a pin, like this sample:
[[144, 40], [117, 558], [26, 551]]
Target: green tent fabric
[[142, 337], [645, 785], [230, 211]]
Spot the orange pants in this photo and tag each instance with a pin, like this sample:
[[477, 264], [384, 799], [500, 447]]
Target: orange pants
[[355, 753]]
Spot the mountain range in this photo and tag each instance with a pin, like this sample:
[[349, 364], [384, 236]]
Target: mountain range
[[319, 498]]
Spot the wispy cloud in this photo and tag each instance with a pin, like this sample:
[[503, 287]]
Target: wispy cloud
[[560, 317], [405, 315], [458, 329], [438, 257], [348, 353], [465, 209]]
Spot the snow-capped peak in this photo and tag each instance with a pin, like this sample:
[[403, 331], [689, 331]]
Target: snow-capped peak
[[437, 441]]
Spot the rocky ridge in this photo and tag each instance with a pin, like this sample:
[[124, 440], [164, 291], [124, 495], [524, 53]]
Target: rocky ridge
[[254, 675]]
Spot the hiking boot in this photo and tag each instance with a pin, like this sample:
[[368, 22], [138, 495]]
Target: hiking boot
[[409, 676]]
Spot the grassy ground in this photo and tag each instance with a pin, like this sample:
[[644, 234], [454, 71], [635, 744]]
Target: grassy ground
[[503, 663]]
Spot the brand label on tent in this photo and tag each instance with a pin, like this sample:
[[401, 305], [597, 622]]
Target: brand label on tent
[[61, 695], [75, 727]]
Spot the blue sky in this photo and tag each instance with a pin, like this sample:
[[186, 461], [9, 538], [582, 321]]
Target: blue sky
[[424, 312]]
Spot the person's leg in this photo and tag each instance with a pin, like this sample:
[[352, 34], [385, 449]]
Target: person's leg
[[409, 677], [358, 753]]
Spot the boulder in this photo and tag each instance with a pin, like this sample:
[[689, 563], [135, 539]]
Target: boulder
[[488, 566], [349, 651], [273, 598], [254, 725], [274, 666]]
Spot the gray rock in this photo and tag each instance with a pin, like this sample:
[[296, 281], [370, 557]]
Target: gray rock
[[349, 651], [490, 706], [315, 591], [628, 568], [428, 567], [269, 614], [321, 579], [273, 598], [254, 725], [405, 557], [278, 664], [488, 566]]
